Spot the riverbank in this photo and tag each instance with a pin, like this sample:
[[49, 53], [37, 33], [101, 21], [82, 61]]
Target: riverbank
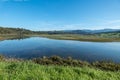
[[31, 71], [78, 37], [54, 68], [12, 36], [3, 37]]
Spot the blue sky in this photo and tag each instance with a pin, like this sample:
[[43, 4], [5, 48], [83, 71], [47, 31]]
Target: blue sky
[[60, 14]]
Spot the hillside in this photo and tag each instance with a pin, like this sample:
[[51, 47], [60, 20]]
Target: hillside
[[26, 31], [14, 31]]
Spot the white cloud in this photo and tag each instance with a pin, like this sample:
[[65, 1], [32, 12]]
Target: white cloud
[[103, 27], [113, 22], [51, 25]]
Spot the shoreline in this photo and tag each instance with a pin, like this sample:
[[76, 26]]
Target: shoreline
[[31, 71], [57, 68], [78, 37], [69, 61], [75, 37]]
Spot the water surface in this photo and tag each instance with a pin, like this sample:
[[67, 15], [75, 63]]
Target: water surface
[[37, 47]]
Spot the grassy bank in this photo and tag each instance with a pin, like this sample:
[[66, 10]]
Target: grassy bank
[[31, 71], [9, 36], [78, 37], [55, 68], [12, 36]]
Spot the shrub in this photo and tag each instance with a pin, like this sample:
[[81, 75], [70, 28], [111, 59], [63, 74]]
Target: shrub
[[56, 60], [1, 57], [107, 65]]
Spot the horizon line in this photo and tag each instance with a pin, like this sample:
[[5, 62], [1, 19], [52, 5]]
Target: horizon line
[[63, 29]]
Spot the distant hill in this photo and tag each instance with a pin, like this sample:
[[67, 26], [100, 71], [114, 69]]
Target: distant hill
[[92, 31], [25, 31], [14, 30], [105, 31]]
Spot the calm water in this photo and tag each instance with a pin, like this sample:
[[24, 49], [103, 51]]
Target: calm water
[[38, 47]]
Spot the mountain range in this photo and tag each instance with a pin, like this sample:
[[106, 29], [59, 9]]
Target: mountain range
[[84, 31]]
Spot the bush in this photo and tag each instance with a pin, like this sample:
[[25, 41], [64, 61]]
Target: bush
[[107, 65], [1, 57], [56, 60]]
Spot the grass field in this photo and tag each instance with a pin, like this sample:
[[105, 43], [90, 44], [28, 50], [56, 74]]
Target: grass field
[[93, 38], [78, 37], [30, 71], [54, 68]]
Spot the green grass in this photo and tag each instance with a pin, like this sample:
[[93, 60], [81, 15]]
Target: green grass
[[28, 70], [79, 37]]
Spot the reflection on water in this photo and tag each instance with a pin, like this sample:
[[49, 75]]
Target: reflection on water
[[17, 38], [38, 47]]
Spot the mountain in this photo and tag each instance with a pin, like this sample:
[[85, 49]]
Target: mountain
[[91, 31], [105, 30], [84, 31]]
